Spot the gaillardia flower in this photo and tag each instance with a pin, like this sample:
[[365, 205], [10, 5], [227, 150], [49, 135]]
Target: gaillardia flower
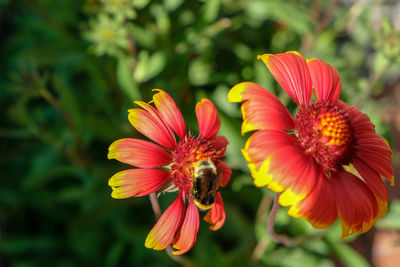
[[327, 160], [192, 166]]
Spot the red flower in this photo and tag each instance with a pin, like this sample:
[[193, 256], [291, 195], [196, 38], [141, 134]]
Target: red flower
[[191, 166], [327, 160]]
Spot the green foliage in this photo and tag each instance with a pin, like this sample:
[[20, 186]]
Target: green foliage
[[70, 71], [108, 35]]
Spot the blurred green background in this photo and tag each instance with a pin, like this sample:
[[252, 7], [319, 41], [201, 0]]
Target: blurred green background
[[70, 70]]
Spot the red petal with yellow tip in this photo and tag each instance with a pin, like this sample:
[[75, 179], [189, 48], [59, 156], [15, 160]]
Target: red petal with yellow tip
[[276, 161], [138, 153], [356, 204], [291, 72], [374, 182], [152, 127], [216, 215], [137, 182], [169, 112], [261, 109], [325, 79], [163, 232], [226, 172], [208, 119], [187, 235], [319, 206]]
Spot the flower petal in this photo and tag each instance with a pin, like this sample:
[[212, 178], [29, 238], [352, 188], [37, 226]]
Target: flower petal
[[152, 126], [169, 112], [319, 206], [356, 204], [226, 172], [276, 161], [325, 79], [375, 184], [291, 72], [216, 215], [138, 153], [187, 235], [220, 143], [208, 119], [370, 147], [137, 182], [261, 109], [375, 152], [163, 232]]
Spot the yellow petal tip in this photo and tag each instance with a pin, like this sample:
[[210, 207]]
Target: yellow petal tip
[[247, 126], [110, 155], [289, 198], [152, 244], [391, 181], [235, 94], [294, 211], [116, 194], [264, 58], [246, 155]]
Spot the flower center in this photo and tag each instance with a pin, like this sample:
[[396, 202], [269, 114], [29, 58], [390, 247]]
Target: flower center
[[188, 153], [323, 130]]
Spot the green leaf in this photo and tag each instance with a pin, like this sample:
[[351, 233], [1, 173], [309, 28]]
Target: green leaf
[[211, 10], [40, 244], [139, 4], [147, 66], [171, 5], [199, 72], [115, 253], [391, 221], [231, 130], [240, 181], [381, 62], [143, 36], [125, 79], [244, 52], [346, 254], [162, 19], [219, 98], [263, 77], [286, 12]]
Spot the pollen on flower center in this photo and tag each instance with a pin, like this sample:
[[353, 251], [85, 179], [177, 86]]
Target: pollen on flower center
[[187, 153], [323, 130], [334, 129]]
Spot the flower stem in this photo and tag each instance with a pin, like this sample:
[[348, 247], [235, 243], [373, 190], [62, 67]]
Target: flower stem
[[270, 226], [261, 217], [155, 205]]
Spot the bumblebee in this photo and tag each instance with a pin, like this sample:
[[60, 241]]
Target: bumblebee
[[206, 181]]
